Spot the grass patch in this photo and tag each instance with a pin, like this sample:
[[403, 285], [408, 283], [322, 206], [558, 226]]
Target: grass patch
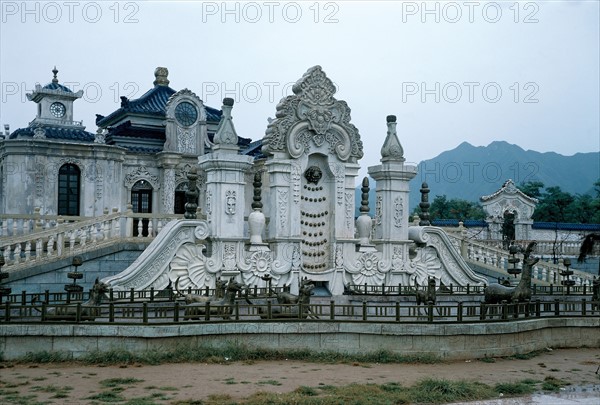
[[269, 382], [553, 384], [107, 396], [225, 354], [523, 387], [440, 391], [46, 357], [115, 382]]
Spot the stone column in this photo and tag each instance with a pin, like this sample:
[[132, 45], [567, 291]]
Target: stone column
[[168, 161], [392, 177]]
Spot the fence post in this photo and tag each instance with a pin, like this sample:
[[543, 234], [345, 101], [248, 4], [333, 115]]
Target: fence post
[[364, 307], [468, 288], [383, 289], [504, 310], [111, 295], [430, 311], [399, 288], [145, 312], [151, 294], [583, 309], [7, 311], [270, 309], [459, 312], [516, 308], [131, 295], [207, 311], [176, 312], [111, 312], [538, 308], [237, 310], [78, 313], [556, 307], [23, 297], [332, 310], [482, 310], [584, 288], [44, 310], [551, 288], [397, 311], [47, 296]]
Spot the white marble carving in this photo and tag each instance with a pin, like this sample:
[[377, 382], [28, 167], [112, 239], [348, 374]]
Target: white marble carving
[[398, 212], [313, 115], [141, 173]]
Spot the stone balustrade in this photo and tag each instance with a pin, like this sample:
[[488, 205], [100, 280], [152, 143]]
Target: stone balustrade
[[491, 255], [53, 237]]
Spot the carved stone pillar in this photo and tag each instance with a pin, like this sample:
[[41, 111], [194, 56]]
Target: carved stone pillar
[[168, 161], [392, 177]]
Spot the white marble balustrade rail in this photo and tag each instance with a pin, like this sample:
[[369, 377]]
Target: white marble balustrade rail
[[65, 239], [475, 250]]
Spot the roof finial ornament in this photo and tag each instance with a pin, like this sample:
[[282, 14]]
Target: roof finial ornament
[[55, 71], [392, 149], [161, 74]]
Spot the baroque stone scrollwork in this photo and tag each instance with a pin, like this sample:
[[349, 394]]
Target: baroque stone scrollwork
[[257, 266], [189, 266], [230, 204], [313, 116], [339, 172], [141, 173], [369, 268], [296, 180], [282, 201], [398, 212], [349, 208]]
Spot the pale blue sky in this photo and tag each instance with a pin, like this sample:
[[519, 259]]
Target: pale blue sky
[[381, 55]]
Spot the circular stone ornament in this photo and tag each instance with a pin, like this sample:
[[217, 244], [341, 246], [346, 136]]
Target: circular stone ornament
[[58, 109], [186, 113]]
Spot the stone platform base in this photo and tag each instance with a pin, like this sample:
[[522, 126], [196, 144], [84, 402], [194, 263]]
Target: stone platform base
[[446, 341]]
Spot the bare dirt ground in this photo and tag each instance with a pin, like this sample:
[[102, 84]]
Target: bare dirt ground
[[197, 381]]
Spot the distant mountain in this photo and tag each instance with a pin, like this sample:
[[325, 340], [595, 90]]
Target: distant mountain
[[469, 172]]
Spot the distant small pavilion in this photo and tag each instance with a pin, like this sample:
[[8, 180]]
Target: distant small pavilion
[[505, 204]]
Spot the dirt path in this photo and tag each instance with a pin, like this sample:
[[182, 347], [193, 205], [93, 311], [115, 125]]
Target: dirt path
[[198, 381]]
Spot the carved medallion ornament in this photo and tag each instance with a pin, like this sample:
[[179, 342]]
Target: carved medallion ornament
[[141, 173], [312, 116], [230, 203]]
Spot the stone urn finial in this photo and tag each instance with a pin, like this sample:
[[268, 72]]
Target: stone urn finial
[[364, 223], [256, 219], [161, 74]]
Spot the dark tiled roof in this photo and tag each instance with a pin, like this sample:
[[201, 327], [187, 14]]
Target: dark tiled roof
[[143, 149], [454, 222], [68, 134], [242, 142], [57, 86], [127, 130], [564, 226], [153, 102], [254, 149], [212, 114]]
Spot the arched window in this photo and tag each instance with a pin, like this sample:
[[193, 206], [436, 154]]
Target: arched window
[[141, 200], [69, 183]]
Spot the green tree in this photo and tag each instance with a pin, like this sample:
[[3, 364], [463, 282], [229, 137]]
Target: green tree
[[443, 208], [553, 205], [532, 188]]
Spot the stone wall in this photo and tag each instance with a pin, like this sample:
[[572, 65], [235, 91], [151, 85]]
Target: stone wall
[[448, 341]]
